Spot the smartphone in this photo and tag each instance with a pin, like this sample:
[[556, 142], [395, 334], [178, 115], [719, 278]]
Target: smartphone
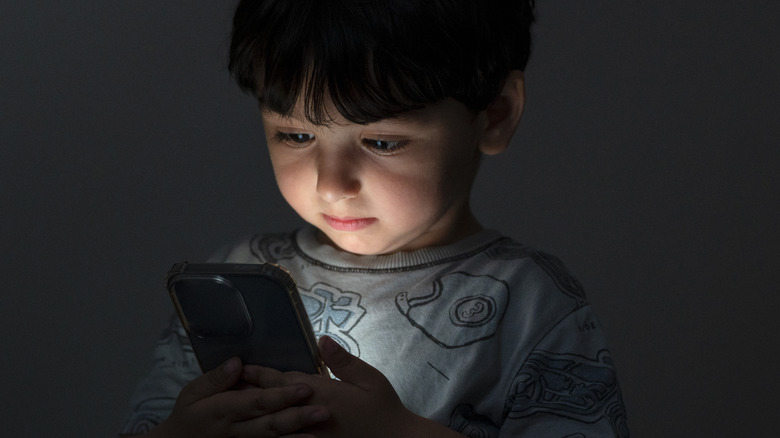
[[252, 311]]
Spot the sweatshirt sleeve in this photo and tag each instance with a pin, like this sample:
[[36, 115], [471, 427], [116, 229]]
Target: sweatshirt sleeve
[[174, 365], [567, 386]]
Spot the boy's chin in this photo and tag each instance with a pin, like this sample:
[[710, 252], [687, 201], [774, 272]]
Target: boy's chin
[[364, 246]]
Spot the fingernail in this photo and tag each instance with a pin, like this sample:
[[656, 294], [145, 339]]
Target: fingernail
[[328, 344], [302, 391], [320, 414], [231, 366]]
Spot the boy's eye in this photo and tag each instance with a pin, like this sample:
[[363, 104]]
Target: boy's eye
[[383, 146], [293, 138]]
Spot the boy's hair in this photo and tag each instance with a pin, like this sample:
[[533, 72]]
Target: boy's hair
[[374, 59]]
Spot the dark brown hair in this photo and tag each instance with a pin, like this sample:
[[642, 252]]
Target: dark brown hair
[[377, 58]]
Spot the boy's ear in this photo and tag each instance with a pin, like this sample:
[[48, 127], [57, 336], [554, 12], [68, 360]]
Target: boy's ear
[[503, 114]]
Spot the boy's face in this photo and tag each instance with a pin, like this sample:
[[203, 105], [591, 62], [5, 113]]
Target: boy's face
[[397, 184]]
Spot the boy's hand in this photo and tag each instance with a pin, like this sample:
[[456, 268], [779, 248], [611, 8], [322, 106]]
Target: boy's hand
[[362, 403], [216, 404]]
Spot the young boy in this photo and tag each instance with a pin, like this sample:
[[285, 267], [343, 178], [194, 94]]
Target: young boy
[[376, 115]]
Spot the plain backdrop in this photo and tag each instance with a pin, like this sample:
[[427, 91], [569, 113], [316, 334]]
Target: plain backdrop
[[647, 160]]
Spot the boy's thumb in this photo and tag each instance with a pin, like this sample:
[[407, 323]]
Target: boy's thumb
[[346, 367], [213, 382]]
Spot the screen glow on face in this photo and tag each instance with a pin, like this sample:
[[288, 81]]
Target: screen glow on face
[[396, 184]]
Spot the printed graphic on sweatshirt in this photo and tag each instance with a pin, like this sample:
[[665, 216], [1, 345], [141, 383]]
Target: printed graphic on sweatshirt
[[508, 250], [334, 312], [272, 247], [146, 415], [461, 309], [174, 348], [570, 386], [560, 275], [469, 423]]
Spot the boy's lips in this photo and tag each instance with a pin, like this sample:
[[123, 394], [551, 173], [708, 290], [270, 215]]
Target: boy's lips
[[348, 223]]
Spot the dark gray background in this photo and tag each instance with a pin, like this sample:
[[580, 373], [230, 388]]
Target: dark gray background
[[647, 160]]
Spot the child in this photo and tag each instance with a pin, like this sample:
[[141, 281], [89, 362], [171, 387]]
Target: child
[[376, 115]]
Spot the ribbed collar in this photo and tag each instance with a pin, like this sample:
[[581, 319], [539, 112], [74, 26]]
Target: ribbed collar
[[331, 258]]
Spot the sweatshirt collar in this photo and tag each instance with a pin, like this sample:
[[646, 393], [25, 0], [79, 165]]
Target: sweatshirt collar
[[329, 257]]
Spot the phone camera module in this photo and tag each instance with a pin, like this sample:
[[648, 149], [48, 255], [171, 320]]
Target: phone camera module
[[212, 307]]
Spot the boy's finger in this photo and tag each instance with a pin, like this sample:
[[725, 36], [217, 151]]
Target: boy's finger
[[285, 422], [345, 366], [255, 402], [213, 382], [263, 377]]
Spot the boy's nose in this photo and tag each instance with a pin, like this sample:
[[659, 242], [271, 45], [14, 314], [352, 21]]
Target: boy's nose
[[337, 178]]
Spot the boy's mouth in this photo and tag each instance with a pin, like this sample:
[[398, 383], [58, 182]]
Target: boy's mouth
[[348, 223]]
